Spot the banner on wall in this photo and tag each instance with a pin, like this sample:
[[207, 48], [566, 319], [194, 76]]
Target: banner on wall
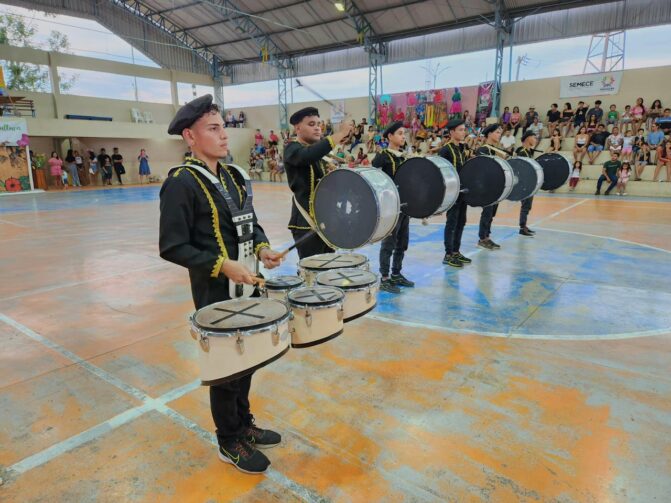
[[14, 155], [485, 91], [3, 87], [13, 131], [593, 84]]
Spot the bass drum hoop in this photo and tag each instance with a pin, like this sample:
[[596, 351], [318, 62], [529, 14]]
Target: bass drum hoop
[[540, 176], [449, 179], [568, 164]]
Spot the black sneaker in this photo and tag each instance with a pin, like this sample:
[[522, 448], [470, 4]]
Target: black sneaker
[[400, 280], [387, 286], [526, 232], [262, 439], [452, 260], [530, 230], [243, 456], [462, 259], [493, 244], [597, 193], [485, 243]]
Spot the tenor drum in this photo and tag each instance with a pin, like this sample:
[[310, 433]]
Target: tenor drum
[[278, 287], [529, 176], [239, 336], [487, 180], [317, 315], [355, 207], [360, 288], [427, 186], [309, 267], [556, 170]]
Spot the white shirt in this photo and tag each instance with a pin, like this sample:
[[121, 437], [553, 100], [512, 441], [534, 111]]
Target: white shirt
[[575, 173], [536, 128], [508, 141]]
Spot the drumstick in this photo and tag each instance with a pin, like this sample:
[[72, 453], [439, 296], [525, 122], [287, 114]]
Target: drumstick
[[308, 88], [302, 239]]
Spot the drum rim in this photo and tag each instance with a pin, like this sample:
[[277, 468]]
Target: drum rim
[[349, 266], [356, 288], [269, 286], [447, 202], [540, 177], [317, 305], [232, 332], [568, 163]]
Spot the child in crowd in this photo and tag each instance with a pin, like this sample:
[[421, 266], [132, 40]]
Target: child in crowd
[[64, 178], [575, 176], [628, 146], [591, 124], [613, 117], [642, 158], [622, 178], [627, 119]]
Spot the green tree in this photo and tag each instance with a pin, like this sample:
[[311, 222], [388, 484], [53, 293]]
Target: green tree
[[26, 76]]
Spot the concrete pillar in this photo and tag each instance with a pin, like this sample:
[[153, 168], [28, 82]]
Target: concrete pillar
[[55, 84], [173, 91]]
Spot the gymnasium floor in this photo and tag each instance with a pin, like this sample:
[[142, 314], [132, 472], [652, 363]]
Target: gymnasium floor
[[541, 372]]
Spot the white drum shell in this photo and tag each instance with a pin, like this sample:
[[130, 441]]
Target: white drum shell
[[359, 300], [325, 323], [509, 175], [451, 180], [310, 273]]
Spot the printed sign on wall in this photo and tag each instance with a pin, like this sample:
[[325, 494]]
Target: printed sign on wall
[[592, 84]]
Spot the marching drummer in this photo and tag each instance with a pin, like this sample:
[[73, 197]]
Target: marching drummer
[[453, 151], [529, 142], [197, 232], [492, 134], [304, 166], [394, 246]]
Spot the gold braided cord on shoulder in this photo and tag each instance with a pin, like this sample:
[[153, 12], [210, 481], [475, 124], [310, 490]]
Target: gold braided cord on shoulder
[[237, 187], [393, 163]]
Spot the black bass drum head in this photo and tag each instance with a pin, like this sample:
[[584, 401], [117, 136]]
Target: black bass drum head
[[484, 181], [556, 169], [421, 187], [527, 179]]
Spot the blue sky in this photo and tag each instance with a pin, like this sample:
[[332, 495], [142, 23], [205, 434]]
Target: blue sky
[[546, 59]]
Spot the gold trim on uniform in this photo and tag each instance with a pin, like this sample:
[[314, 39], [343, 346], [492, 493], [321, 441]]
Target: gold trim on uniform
[[259, 247]]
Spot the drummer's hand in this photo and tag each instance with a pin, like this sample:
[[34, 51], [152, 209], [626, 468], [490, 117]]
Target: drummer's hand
[[270, 258], [236, 272], [344, 131]]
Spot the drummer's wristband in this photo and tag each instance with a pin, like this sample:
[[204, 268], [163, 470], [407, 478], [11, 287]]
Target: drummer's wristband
[[260, 247]]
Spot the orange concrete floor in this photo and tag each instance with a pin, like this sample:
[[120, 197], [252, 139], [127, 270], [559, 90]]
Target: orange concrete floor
[[100, 398]]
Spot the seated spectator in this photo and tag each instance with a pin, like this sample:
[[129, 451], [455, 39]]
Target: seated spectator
[[555, 141], [351, 161], [597, 143], [639, 113], [626, 120], [229, 119], [615, 141], [360, 156], [258, 140], [257, 168], [536, 127], [508, 141], [642, 157], [575, 176], [581, 144], [242, 119], [505, 118], [553, 115], [654, 113], [580, 115], [609, 173], [628, 147], [328, 128], [273, 140], [529, 118], [613, 117], [664, 122], [566, 120], [596, 111], [663, 159], [340, 153], [515, 118], [654, 139], [591, 124]]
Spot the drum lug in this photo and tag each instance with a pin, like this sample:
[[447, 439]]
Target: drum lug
[[240, 343], [369, 296], [204, 343], [308, 318], [275, 334], [341, 312], [194, 334]]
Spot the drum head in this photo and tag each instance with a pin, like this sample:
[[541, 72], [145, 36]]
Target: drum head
[[556, 170], [484, 180], [240, 314], [283, 282], [326, 261], [527, 178], [347, 278], [346, 209], [421, 187], [315, 296]]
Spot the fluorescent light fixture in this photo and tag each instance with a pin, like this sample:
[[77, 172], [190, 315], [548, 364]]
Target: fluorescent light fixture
[[339, 6]]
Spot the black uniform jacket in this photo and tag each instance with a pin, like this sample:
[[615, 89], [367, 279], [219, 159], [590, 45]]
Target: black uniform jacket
[[389, 160], [455, 154], [305, 167], [524, 152], [196, 228]]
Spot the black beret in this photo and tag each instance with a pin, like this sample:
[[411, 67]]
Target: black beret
[[189, 113], [527, 133], [392, 128], [454, 124], [490, 129], [303, 113]]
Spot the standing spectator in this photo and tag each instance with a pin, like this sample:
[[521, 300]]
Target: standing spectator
[[536, 127], [663, 159], [229, 119], [566, 120], [580, 116], [81, 172], [242, 118], [553, 115], [56, 170], [627, 146], [258, 141], [94, 167], [642, 157], [654, 140], [615, 141], [639, 113], [119, 169], [144, 166], [654, 112], [596, 111], [597, 143], [515, 118], [575, 176], [555, 141], [273, 140], [626, 120], [613, 117], [623, 178], [508, 141], [609, 174], [529, 118], [581, 142], [105, 163], [72, 168]]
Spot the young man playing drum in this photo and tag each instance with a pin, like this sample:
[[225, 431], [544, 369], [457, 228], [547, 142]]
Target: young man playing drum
[[395, 245], [453, 151], [529, 142], [492, 134], [304, 166], [197, 231]]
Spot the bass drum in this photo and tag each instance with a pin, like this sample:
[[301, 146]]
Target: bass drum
[[355, 207], [427, 186], [556, 169], [486, 180], [529, 176]]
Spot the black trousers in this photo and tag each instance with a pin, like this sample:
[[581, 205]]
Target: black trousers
[[310, 247], [486, 218], [524, 211], [395, 244], [454, 226], [229, 403]]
